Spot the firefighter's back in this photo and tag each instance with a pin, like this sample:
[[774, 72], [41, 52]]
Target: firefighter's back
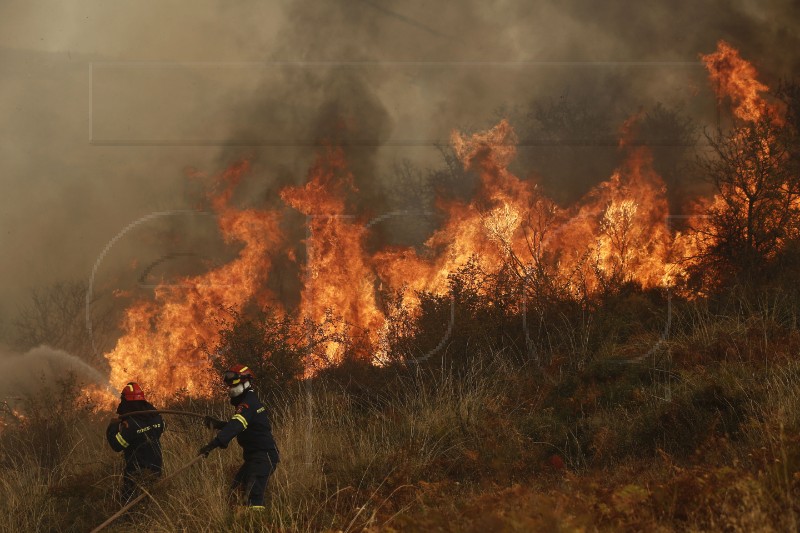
[[143, 435]]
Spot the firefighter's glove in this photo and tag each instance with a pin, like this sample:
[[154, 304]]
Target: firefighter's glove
[[213, 423], [205, 450]]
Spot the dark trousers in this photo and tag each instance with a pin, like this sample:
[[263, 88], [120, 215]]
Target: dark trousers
[[251, 480], [134, 479]]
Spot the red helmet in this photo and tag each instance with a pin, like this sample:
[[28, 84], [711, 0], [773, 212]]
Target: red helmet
[[237, 374], [132, 391]]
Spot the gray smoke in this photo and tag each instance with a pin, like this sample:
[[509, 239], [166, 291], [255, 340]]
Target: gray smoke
[[106, 107], [22, 374]]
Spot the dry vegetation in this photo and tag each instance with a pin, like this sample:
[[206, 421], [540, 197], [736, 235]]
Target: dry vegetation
[[545, 406], [702, 433]]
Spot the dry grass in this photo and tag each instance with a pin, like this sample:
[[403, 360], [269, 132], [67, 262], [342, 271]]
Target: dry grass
[[497, 446]]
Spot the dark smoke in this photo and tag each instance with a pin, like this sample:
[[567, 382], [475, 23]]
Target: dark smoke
[[387, 79]]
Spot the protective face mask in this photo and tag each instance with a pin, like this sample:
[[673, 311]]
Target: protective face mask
[[236, 390]]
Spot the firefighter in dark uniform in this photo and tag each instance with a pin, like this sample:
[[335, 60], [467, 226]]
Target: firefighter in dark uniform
[[138, 437], [253, 431]]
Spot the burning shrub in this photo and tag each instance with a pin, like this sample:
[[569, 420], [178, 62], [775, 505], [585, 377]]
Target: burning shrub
[[275, 347], [40, 428], [755, 214], [757, 210]]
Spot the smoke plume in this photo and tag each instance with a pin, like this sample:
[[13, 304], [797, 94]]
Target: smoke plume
[[108, 109], [23, 374]]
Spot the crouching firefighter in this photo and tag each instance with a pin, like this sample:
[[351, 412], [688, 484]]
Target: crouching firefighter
[[253, 431], [138, 437]]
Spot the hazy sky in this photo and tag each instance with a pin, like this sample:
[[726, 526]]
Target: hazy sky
[[105, 105]]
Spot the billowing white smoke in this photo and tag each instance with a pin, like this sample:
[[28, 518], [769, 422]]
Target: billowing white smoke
[[22, 374]]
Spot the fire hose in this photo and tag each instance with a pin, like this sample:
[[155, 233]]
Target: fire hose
[[161, 412], [163, 480]]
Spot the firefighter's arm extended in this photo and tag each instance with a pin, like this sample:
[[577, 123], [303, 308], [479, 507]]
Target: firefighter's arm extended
[[213, 423], [238, 423]]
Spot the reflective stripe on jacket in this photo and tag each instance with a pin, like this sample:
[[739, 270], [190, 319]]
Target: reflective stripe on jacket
[[252, 428]]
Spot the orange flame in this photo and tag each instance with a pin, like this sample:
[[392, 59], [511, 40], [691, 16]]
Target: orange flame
[[617, 233], [338, 275], [736, 79], [163, 340], [619, 228]]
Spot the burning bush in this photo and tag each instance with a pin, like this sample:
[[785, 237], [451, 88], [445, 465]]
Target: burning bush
[[276, 347]]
